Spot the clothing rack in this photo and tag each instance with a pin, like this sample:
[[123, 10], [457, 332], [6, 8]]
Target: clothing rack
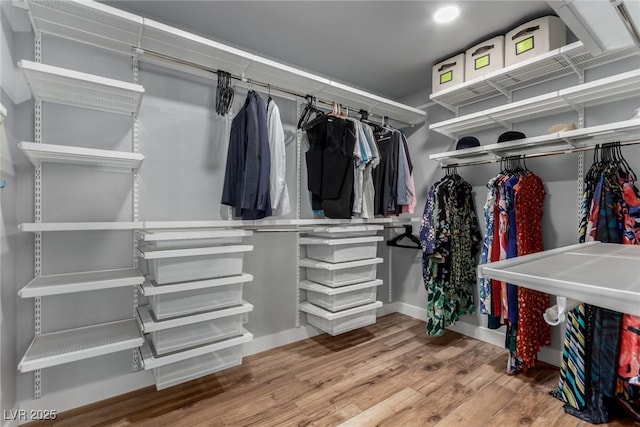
[[532, 155], [327, 103]]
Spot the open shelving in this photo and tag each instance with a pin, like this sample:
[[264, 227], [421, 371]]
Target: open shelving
[[606, 275], [38, 153], [606, 90], [57, 284], [37, 227], [71, 345], [109, 28], [69, 87], [624, 131], [554, 64]]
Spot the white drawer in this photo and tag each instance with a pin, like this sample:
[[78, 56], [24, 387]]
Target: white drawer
[[341, 322], [341, 250], [340, 274], [342, 298]]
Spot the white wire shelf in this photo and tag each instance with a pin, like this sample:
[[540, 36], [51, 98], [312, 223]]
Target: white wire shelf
[[101, 26], [326, 290], [37, 227], [149, 287], [150, 324], [57, 348], [602, 274], [69, 87], [92, 22], [271, 223], [307, 307], [311, 263], [548, 66], [602, 91], [151, 361], [38, 153], [57, 284], [163, 235], [624, 131], [339, 242], [152, 253]]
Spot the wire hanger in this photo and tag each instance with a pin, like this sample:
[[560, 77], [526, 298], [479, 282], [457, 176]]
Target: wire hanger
[[408, 233], [269, 99]]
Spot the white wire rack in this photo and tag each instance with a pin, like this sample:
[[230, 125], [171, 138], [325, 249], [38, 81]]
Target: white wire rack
[[624, 131], [548, 66], [328, 315], [163, 235], [311, 263], [606, 275], [57, 284], [69, 87], [79, 155], [150, 253], [308, 285], [149, 324], [57, 348], [602, 91]]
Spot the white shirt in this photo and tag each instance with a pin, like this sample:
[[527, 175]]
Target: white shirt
[[277, 179]]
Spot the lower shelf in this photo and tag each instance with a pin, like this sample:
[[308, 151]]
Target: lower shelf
[[57, 348], [342, 321]]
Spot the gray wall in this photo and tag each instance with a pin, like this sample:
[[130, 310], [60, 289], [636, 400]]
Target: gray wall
[[559, 174]]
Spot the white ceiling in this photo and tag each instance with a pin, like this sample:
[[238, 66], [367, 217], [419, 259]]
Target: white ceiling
[[384, 47]]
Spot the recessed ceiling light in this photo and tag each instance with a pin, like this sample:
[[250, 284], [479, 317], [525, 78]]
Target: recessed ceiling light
[[446, 14]]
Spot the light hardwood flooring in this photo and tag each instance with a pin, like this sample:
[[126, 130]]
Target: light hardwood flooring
[[387, 374]]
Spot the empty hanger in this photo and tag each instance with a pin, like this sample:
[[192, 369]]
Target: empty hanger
[[408, 233]]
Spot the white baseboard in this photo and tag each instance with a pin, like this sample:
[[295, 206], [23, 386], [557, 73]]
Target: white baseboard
[[548, 355], [84, 395], [278, 339]]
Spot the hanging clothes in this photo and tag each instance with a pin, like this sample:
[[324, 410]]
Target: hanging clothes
[[449, 235], [605, 354], [278, 177], [247, 176]]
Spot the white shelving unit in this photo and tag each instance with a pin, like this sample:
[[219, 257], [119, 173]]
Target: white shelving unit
[[148, 288], [38, 153], [57, 348], [341, 321], [602, 91], [109, 28], [149, 253], [602, 274], [37, 227], [69, 87], [149, 324], [560, 62], [57, 284], [624, 131]]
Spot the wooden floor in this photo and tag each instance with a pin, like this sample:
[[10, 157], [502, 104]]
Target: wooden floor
[[388, 374]]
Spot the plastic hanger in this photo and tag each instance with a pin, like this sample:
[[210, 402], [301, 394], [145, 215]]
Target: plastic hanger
[[408, 233]]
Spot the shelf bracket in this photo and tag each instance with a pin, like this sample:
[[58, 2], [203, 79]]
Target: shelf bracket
[[570, 143], [455, 110], [504, 124], [505, 92], [576, 69]]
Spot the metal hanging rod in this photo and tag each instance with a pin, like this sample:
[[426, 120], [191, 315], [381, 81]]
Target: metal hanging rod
[[528, 156], [267, 86], [628, 22]]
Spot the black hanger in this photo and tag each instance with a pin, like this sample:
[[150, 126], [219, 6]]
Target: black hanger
[[269, 99], [408, 233]]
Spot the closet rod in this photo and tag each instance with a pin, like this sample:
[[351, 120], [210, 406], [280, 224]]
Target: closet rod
[[255, 82], [550, 153]]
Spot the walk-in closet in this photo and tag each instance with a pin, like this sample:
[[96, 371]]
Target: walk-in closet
[[357, 213]]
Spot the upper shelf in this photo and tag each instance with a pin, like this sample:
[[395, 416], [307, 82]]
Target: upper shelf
[[598, 92], [548, 66], [109, 28], [79, 155], [69, 87], [602, 274], [37, 227], [625, 131]]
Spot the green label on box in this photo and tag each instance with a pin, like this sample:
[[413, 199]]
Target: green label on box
[[482, 62], [524, 45], [446, 77]]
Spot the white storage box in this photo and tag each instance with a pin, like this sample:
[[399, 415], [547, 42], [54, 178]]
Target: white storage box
[[343, 321], [484, 58], [341, 250], [191, 331], [448, 73], [186, 264], [336, 299], [340, 274], [180, 299], [346, 231], [534, 38], [179, 367]]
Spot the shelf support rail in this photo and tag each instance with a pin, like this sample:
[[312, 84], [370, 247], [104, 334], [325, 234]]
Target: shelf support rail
[[505, 92], [37, 313], [135, 147]]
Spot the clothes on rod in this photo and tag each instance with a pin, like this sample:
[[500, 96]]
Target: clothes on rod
[[513, 221], [600, 370], [450, 237], [247, 178], [280, 204]]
